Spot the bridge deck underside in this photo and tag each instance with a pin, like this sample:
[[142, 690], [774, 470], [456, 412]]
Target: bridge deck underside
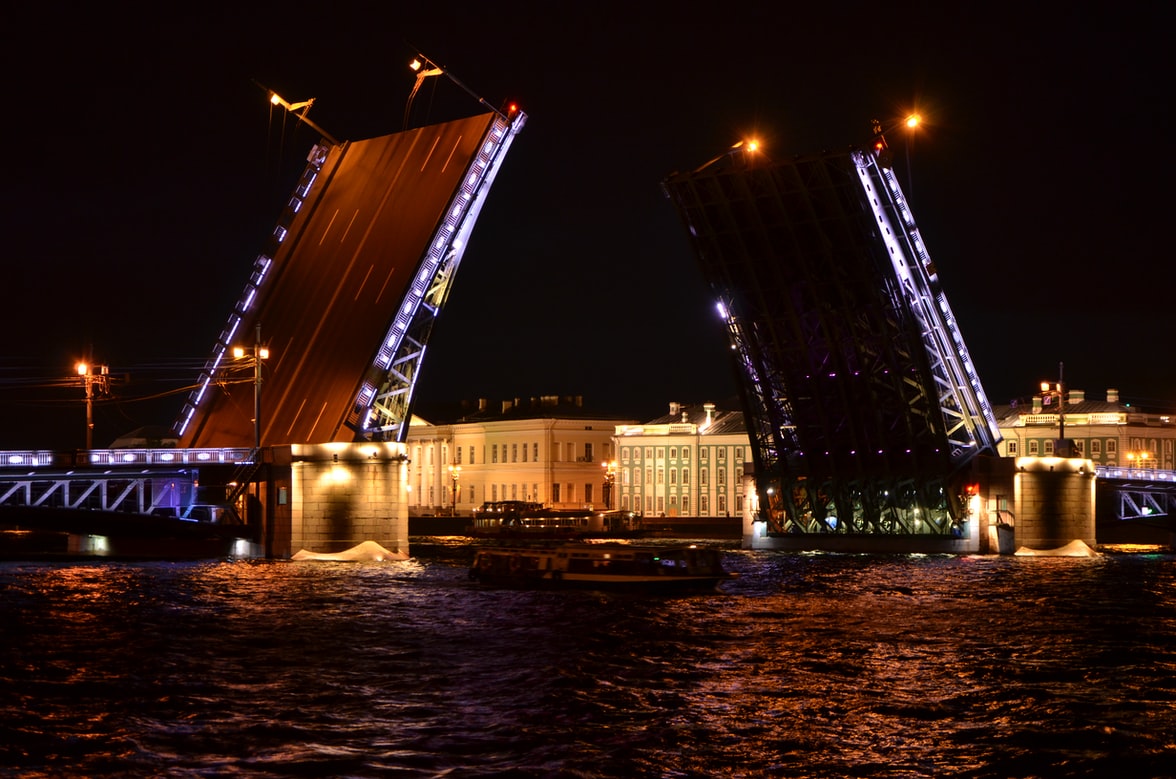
[[838, 391], [337, 281]]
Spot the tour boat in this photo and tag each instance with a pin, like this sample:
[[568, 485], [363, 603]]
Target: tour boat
[[601, 566], [516, 519]]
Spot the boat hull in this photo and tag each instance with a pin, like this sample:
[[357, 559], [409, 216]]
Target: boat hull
[[601, 567]]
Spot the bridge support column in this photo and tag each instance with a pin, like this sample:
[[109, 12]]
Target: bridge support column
[[328, 498], [1054, 502]]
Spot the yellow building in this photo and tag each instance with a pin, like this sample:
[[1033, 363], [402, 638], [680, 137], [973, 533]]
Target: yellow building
[[547, 450], [1108, 432]]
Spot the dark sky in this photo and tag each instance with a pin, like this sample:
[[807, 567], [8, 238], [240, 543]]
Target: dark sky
[[143, 169]]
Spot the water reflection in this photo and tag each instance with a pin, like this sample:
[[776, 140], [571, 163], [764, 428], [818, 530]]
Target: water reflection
[[807, 665]]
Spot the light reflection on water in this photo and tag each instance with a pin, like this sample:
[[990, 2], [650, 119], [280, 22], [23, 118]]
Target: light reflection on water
[[807, 665]]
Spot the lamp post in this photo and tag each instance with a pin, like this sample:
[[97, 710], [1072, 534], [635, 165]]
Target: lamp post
[[259, 353], [912, 122], [1058, 391], [455, 474], [89, 379], [610, 478]]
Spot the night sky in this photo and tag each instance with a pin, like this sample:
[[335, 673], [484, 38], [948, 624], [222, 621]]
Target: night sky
[[144, 168]]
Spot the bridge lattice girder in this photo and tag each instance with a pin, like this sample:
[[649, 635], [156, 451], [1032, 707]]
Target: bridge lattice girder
[[860, 397]]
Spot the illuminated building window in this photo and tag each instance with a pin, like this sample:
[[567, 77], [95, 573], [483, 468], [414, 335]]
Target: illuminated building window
[[514, 453], [535, 451], [1049, 449], [648, 452], [722, 453], [661, 476], [722, 476], [1096, 446], [1111, 446], [624, 454], [722, 504], [494, 454], [685, 453], [704, 477], [588, 492], [649, 475], [704, 505], [1033, 449], [673, 453], [1012, 448], [471, 455], [704, 454], [685, 504], [673, 476], [1080, 446]]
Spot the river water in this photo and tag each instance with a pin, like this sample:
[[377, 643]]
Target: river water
[[807, 665]]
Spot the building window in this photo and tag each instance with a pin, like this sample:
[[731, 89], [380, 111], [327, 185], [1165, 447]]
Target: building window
[[704, 454], [494, 453], [471, 455], [673, 476], [588, 453], [588, 492], [703, 477], [722, 476], [1049, 446], [1032, 448], [723, 504], [1080, 446], [685, 504], [704, 505], [661, 476], [1095, 446], [493, 492], [661, 505], [514, 453], [1111, 446], [457, 455], [648, 452], [649, 475], [535, 452], [685, 453], [673, 453], [524, 452], [555, 492], [722, 453], [1012, 448], [685, 475]]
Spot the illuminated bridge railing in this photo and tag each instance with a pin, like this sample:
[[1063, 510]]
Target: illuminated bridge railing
[[1136, 474], [24, 459]]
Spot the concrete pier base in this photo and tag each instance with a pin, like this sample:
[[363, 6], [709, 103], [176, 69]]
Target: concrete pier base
[[328, 498], [1054, 502]]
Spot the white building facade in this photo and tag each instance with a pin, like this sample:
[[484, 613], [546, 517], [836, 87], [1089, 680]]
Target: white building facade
[[689, 463]]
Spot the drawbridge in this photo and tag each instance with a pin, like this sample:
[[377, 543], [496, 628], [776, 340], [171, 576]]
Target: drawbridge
[[863, 406], [338, 308]]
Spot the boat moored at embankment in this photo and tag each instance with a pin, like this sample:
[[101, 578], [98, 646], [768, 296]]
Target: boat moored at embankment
[[601, 566]]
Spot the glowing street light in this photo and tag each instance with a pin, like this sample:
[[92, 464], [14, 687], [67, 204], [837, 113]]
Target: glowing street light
[[259, 354], [426, 68], [610, 479], [89, 380], [304, 107], [455, 474]]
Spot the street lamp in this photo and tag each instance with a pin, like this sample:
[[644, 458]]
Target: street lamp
[[304, 107], [89, 379], [912, 122], [610, 478], [455, 474], [259, 353], [1057, 390]]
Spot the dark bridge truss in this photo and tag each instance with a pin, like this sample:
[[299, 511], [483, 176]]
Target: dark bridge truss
[[863, 405]]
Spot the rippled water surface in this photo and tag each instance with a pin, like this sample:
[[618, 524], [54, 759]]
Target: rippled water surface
[[806, 666]]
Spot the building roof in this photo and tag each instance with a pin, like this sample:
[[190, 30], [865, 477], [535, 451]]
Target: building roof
[[707, 416], [537, 407]]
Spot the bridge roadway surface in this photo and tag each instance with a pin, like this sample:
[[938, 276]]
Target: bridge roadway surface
[[336, 284]]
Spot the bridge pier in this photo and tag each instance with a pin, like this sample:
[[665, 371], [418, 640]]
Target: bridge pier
[[328, 498], [1054, 499]]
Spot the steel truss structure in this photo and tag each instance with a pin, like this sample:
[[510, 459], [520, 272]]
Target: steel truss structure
[[153, 482], [862, 403], [382, 406]]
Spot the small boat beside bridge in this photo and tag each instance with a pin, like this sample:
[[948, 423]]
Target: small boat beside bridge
[[587, 565]]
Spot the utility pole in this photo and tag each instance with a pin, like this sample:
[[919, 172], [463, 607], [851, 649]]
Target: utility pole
[[89, 380]]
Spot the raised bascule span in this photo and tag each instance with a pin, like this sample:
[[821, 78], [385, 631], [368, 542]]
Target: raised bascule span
[[366, 248], [863, 405]]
